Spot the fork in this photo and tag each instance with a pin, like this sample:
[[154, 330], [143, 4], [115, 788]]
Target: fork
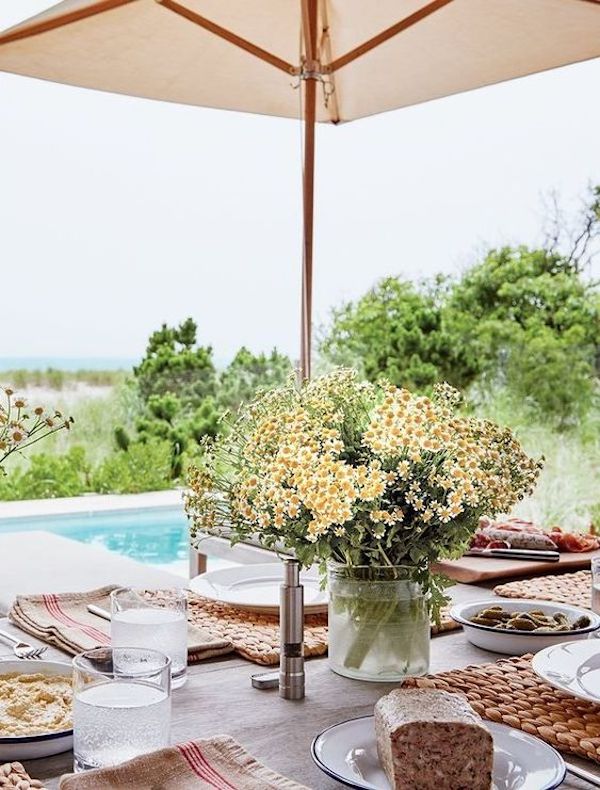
[[22, 649]]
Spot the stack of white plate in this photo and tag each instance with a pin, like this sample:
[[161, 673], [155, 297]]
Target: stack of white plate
[[257, 588]]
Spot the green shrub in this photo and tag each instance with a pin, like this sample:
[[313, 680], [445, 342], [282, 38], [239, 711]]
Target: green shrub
[[48, 476], [145, 466]]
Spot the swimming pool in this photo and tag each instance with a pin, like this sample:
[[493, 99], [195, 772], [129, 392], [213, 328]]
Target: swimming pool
[[156, 535]]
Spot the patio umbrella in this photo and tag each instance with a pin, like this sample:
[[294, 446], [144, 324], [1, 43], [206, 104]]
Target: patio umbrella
[[345, 59]]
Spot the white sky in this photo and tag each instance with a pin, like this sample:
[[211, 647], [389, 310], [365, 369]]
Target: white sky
[[117, 213]]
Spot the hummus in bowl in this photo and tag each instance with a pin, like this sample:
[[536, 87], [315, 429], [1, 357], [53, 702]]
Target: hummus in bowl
[[35, 709], [34, 703]]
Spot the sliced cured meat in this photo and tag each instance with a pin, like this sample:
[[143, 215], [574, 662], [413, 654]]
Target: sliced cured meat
[[517, 533], [518, 539]]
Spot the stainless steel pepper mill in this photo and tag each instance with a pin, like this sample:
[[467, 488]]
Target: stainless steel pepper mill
[[291, 625]]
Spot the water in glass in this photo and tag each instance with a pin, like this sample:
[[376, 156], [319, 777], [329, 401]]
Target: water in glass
[[118, 720], [160, 624]]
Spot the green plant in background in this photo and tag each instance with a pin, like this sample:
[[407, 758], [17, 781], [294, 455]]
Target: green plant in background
[[175, 364], [396, 331], [144, 466], [48, 476], [527, 315], [525, 319], [182, 396], [247, 373]]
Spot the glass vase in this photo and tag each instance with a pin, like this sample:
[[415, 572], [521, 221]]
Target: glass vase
[[379, 626]]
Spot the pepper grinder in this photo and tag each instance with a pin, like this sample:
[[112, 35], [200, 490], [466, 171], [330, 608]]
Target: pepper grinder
[[291, 626]]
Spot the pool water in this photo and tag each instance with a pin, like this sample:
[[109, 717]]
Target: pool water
[[157, 536]]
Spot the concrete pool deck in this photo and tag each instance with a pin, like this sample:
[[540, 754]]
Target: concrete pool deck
[[88, 503], [40, 562]]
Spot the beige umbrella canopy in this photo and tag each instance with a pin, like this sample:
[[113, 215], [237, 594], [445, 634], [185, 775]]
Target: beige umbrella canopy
[[350, 58]]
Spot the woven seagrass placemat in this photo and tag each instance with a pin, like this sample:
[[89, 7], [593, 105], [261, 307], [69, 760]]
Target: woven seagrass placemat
[[255, 636], [509, 692], [14, 777], [571, 588]]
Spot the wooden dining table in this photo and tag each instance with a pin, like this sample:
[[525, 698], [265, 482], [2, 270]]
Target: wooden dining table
[[218, 698]]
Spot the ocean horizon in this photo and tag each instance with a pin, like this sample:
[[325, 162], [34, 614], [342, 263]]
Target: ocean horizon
[[67, 363]]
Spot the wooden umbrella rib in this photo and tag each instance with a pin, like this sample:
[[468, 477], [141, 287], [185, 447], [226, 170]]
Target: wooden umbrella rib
[[45, 25], [385, 35], [229, 36]]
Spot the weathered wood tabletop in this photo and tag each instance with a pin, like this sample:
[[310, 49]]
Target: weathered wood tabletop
[[218, 699]]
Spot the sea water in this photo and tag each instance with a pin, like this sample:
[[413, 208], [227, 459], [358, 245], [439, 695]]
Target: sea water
[[164, 630], [117, 720]]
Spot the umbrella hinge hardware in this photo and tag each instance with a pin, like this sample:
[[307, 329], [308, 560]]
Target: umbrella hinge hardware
[[314, 70]]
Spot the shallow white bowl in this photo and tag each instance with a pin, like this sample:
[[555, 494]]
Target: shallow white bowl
[[34, 746], [516, 643]]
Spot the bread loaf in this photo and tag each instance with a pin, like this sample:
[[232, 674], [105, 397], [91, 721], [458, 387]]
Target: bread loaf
[[432, 740]]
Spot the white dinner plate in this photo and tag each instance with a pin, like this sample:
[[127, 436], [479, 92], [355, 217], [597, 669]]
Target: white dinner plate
[[348, 753], [31, 747], [573, 667], [257, 587]]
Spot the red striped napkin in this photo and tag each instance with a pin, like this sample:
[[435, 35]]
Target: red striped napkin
[[64, 621], [216, 764]]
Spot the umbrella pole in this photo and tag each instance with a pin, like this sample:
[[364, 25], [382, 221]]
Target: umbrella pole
[[308, 222], [308, 182]]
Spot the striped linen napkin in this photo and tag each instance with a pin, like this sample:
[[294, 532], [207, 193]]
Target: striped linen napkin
[[63, 620], [215, 764]]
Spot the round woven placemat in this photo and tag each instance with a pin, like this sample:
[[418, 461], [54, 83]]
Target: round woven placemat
[[571, 588], [255, 636], [14, 777], [509, 692]]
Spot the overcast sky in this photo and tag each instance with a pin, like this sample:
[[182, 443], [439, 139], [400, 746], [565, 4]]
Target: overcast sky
[[118, 213]]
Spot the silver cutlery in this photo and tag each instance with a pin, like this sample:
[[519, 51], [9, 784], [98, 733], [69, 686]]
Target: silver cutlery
[[516, 554], [99, 611], [22, 649], [582, 774]]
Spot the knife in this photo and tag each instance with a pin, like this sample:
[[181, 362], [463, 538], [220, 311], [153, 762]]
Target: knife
[[98, 611], [515, 554], [585, 775]]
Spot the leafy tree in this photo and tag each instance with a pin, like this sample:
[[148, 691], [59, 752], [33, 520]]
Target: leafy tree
[[527, 319], [532, 322], [247, 373], [175, 364], [514, 291], [551, 374], [183, 396], [397, 331]]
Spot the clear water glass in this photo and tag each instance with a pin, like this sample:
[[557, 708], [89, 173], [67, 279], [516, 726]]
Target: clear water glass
[[160, 624], [121, 705], [596, 585]]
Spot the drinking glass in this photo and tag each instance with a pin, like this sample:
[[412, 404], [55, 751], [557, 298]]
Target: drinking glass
[[121, 705], [159, 625], [596, 585]]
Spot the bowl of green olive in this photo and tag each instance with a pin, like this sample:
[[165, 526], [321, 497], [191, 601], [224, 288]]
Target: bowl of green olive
[[517, 626]]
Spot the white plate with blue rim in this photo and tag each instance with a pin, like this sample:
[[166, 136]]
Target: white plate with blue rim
[[43, 744], [572, 667], [347, 752], [257, 587]]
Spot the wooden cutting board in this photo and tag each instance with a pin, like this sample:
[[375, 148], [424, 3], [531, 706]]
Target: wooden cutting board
[[471, 570]]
